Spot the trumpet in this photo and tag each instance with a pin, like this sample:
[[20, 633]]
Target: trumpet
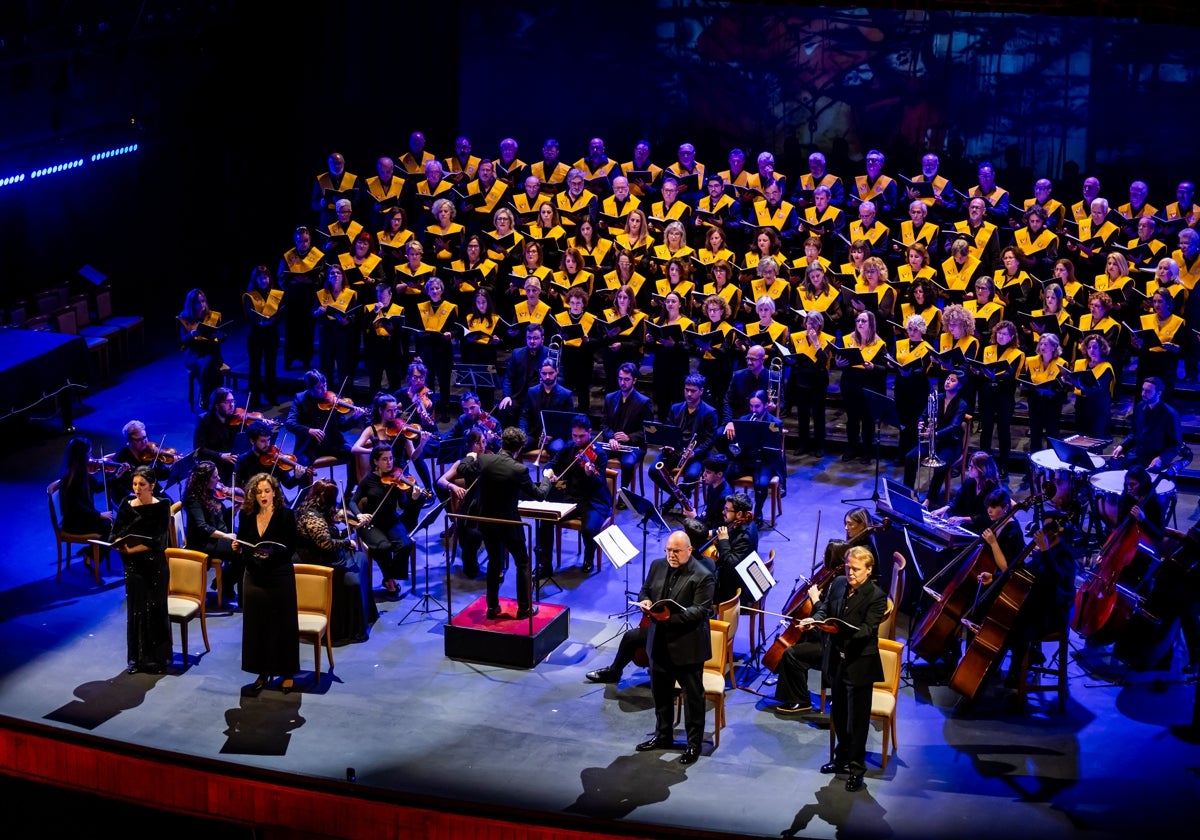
[[554, 352]]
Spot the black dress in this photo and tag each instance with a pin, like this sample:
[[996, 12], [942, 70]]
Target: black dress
[[270, 625], [146, 578], [353, 609]]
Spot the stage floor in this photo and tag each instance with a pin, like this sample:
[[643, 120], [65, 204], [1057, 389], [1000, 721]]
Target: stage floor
[[405, 717]]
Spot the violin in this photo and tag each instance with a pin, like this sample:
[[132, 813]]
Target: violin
[[222, 492], [163, 455], [587, 459], [274, 457], [107, 466], [241, 417], [487, 421], [410, 431], [404, 483], [343, 405]]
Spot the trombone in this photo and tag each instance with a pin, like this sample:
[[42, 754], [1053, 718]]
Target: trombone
[[554, 351], [927, 439], [775, 383]]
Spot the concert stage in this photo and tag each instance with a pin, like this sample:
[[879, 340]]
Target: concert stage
[[444, 747]]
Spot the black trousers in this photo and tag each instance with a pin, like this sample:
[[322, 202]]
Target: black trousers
[[497, 539], [851, 718], [663, 676]]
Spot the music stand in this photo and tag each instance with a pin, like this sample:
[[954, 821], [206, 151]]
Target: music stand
[[423, 604], [617, 548], [180, 470], [765, 439], [646, 509], [882, 410], [475, 377]]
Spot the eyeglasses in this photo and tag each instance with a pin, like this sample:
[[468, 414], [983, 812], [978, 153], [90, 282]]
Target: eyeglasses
[[137, 439]]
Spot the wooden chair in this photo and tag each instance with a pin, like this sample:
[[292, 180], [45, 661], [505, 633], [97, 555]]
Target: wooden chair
[[314, 604], [884, 697], [728, 611], [186, 593], [887, 628], [612, 475], [714, 677], [177, 538], [66, 539], [1050, 676]]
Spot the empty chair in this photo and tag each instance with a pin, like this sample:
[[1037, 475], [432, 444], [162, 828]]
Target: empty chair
[[314, 604], [186, 593]]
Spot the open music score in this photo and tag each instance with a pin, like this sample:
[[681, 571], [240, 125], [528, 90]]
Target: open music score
[[549, 511]]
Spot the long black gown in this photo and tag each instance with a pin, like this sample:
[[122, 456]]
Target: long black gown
[[270, 625], [353, 609], [148, 632]]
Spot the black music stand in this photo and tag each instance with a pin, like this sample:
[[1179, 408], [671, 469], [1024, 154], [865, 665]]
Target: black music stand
[[423, 604], [476, 377], [882, 409], [645, 509], [765, 439]]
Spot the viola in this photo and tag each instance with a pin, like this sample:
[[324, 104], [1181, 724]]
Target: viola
[[404, 483], [107, 466], [222, 492], [274, 457], [163, 455], [343, 405]]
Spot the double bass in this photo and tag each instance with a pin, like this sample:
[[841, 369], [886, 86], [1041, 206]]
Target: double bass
[[941, 622], [800, 605]]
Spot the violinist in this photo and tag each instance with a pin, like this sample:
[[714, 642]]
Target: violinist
[[474, 418], [208, 524], [138, 451], [263, 457], [386, 426], [200, 341], [578, 473], [216, 431], [737, 539], [77, 490], [318, 418], [416, 404], [715, 490], [387, 504]]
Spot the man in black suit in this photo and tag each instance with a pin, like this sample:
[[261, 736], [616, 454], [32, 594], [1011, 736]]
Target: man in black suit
[[947, 436], [697, 421], [850, 663], [547, 396], [626, 411], [678, 642], [503, 481], [521, 374], [753, 377]]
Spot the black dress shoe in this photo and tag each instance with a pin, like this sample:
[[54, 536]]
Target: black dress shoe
[[848, 455], [689, 756], [604, 675], [833, 768], [526, 612], [794, 708], [493, 612], [655, 743], [854, 783]]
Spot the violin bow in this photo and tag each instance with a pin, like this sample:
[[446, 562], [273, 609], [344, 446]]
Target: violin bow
[[104, 478], [245, 413], [578, 455], [334, 404], [158, 453]]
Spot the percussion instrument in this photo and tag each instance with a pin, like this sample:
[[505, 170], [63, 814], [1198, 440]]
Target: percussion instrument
[[1064, 483], [1109, 486]]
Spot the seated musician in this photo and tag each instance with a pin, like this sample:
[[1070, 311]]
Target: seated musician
[[138, 451], [968, 508], [1142, 503], [1154, 436], [259, 458], [947, 436], [737, 539], [473, 418], [1047, 606], [715, 490], [626, 411], [209, 525], [465, 500], [318, 423], [760, 463], [577, 474], [546, 396], [387, 514], [215, 432], [697, 421]]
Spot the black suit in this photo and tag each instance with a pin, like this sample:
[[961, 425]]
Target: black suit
[[503, 483], [679, 646], [589, 492], [851, 665], [737, 397], [740, 544], [948, 441], [629, 417], [521, 375], [537, 400]]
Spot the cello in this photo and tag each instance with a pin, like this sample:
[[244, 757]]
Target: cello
[[801, 605], [941, 622], [991, 636]]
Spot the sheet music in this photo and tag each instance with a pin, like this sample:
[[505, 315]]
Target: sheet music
[[545, 510], [616, 546], [755, 575]]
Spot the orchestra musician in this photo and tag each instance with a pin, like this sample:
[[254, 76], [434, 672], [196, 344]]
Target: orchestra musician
[[947, 431], [216, 431], [626, 412], [697, 421], [578, 472], [318, 419], [745, 382], [416, 403], [387, 427], [451, 485], [209, 525], [548, 395], [387, 507], [714, 491], [737, 539], [77, 490], [473, 418], [1154, 436], [762, 464], [968, 508], [138, 451], [521, 375], [260, 458]]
